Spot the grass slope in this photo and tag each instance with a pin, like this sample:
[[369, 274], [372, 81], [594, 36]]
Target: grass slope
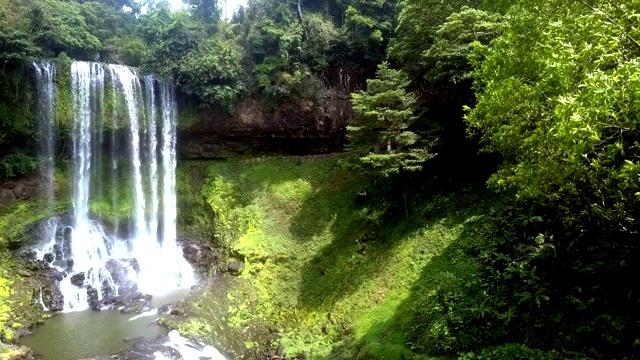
[[330, 270]]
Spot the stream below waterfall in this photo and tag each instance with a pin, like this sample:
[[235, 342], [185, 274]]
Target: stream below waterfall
[[90, 334]]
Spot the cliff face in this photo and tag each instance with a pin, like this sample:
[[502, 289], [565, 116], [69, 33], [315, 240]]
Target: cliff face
[[300, 127]]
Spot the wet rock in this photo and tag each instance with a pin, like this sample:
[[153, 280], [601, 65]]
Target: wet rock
[[53, 274], [150, 351], [107, 303], [34, 265], [6, 196], [78, 279], [28, 254], [175, 312], [93, 299], [164, 309], [19, 353], [133, 338], [9, 185], [49, 258], [21, 192], [69, 265], [128, 287], [200, 255], [133, 308], [22, 332], [119, 271], [24, 273], [52, 297], [133, 303], [236, 267], [57, 250]]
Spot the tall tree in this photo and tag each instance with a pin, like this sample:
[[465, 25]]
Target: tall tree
[[381, 135]]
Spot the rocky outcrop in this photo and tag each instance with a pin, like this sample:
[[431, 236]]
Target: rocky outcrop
[[23, 188], [204, 258], [13, 352], [298, 127]]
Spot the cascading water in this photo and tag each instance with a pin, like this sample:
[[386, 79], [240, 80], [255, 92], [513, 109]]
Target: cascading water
[[101, 263], [45, 73]]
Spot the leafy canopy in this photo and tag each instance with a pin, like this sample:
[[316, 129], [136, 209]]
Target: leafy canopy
[[557, 96]]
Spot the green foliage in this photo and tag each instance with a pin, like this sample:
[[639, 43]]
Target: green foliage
[[206, 11], [59, 26], [368, 26], [338, 275], [416, 29], [556, 99], [559, 105], [16, 164], [17, 128], [509, 351], [5, 293], [169, 36], [382, 134], [14, 45], [212, 72], [321, 36], [124, 50], [454, 41]]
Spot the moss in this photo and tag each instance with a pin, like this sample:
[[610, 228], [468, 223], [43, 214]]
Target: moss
[[188, 114], [64, 101], [326, 272]]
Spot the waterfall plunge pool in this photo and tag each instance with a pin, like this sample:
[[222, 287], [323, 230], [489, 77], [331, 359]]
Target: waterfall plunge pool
[[91, 334]]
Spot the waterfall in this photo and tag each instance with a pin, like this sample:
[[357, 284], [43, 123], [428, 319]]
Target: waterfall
[[45, 73], [102, 262]]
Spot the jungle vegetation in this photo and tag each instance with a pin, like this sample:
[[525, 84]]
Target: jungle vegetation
[[539, 98]]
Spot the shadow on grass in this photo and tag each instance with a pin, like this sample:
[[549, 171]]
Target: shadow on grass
[[419, 322], [363, 240]]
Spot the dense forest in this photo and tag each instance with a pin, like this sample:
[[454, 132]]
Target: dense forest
[[532, 106]]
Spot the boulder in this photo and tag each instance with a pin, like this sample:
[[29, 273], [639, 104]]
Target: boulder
[[134, 307], [52, 297], [236, 267], [21, 192], [18, 353], [6, 196], [53, 274], [49, 258], [9, 185], [78, 279]]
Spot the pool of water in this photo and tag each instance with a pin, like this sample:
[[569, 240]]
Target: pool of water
[[87, 334]]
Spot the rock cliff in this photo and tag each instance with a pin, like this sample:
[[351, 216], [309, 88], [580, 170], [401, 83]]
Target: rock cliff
[[298, 127]]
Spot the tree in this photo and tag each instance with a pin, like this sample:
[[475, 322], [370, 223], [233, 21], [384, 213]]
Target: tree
[[448, 56], [206, 11], [418, 21], [556, 97], [169, 36], [59, 26], [213, 73], [14, 46], [368, 27], [381, 135]]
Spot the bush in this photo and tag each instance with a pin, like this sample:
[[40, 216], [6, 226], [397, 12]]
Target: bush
[[509, 351], [17, 164]]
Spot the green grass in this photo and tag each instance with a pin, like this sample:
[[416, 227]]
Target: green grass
[[344, 277]]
